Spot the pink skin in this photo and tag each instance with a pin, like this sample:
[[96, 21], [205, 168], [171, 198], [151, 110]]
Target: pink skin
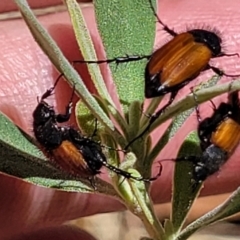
[[26, 73], [11, 6]]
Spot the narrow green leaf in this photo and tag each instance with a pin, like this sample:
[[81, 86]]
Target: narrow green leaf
[[230, 207], [120, 121], [189, 101], [85, 119], [161, 143], [169, 230], [134, 116], [51, 49], [137, 201], [86, 47], [126, 27], [183, 194], [148, 216]]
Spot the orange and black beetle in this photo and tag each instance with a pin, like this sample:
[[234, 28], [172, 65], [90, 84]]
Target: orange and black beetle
[[219, 136], [178, 62], [175, 64], [66, 146]]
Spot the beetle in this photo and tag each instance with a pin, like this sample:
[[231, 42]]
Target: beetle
[[175, 64], [219, 136], [66, 146], [178, 62]]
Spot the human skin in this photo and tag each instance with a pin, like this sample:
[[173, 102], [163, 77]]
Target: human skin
[[26, 73]]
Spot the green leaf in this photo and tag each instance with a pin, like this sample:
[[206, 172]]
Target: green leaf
[[85, 119], [169, 230], [134, 116], [183, 194], [51, 49], [189, 101], [86, 46], [138, 201], [126, 27], [230, 207]]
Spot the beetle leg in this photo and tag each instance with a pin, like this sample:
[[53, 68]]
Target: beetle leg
[[117, 60], [49, 91], [92, 182], [155, 116], [66, 116], [165, 27], [227, 54], [220, 72], [95, 128]]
